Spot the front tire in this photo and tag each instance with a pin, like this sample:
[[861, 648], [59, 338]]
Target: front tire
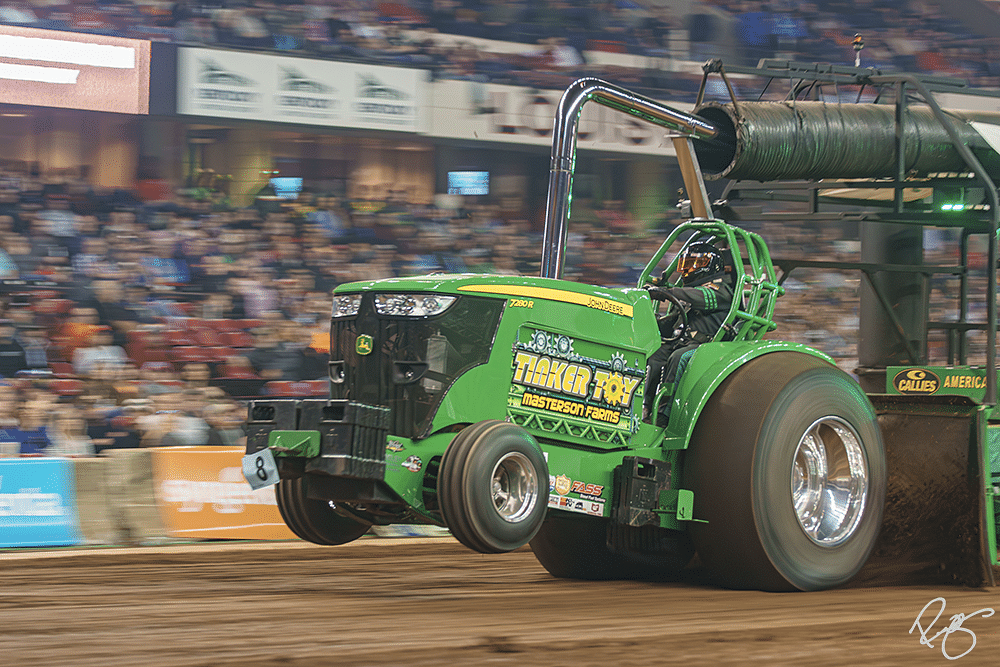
[[314, 520], [788, 469], [492, 487]]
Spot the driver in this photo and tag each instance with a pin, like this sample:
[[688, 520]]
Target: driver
[[706, 296]]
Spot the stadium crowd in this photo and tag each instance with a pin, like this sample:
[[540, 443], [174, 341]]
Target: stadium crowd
[[547, 43]]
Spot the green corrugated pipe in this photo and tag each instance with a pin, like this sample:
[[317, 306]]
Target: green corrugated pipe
[[767, 141]]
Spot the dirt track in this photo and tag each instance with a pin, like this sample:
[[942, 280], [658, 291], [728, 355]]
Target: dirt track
[[429, 601]]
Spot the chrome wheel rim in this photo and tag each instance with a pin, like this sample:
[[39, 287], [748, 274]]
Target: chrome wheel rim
[[829, 481], [514, 487]]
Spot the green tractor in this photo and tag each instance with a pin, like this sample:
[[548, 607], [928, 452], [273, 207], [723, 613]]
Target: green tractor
[[509, 409]]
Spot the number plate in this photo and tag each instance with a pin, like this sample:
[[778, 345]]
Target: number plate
[[259, 469]]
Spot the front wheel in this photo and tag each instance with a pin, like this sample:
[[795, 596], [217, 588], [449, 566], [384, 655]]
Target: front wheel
[[315, 521], [788, 469], [492, 487]]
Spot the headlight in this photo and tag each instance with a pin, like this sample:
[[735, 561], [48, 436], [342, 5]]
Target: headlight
[[346, 305], [412, 305]]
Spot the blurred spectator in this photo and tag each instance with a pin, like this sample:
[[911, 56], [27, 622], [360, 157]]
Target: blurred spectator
[[110, 426], [92, 261], [76, 330], [46, 250], [196, 375], [238, 368], [225, 421], [59, 220], [172, 422], [8, 267], [156, 377], [36, 346], [18, 249], [32, 432], [236, 290], [9, 406], [68, 433], [12, 357], [100, 353], [278, 351], [195, 29], [112, 311], [259, 296]]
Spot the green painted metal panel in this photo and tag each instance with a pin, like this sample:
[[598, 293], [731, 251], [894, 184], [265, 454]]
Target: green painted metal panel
[[294, 443], [993, 450]]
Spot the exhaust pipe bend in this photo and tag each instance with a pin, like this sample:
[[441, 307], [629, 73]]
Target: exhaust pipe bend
[[563, 159]]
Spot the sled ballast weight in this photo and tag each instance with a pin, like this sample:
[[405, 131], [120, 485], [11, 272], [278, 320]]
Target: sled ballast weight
[[509, 409]]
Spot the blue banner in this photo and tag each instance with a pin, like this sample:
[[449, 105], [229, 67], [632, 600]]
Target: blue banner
[[37, 503]]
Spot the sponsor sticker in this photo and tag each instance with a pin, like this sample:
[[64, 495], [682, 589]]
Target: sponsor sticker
[[964, 382], [916, 381], [578, 505], [585, 489], [563, 485]]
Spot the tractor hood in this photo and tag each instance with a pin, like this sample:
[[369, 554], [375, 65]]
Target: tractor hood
[[618, 301]]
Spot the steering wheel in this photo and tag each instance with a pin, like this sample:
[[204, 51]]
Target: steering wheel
[[681, 326]]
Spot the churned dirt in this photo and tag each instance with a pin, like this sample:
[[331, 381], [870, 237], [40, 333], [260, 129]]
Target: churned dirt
[[429, 601]]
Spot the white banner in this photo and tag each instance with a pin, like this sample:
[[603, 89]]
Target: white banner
[[255, 86], [510, 114], [280, 89]]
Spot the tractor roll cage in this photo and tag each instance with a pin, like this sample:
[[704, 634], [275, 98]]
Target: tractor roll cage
[[756, 287]]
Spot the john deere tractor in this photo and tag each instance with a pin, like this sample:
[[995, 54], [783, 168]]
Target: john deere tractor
[[509, 409]]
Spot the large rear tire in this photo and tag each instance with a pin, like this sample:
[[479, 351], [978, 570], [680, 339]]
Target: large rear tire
[[492, 487], [576, 547], [314, 520], [788, 469]]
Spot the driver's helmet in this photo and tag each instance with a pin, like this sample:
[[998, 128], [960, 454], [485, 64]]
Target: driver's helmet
[[699, 262]]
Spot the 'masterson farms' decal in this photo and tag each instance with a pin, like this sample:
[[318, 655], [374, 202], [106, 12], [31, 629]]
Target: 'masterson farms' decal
[[549, 375]]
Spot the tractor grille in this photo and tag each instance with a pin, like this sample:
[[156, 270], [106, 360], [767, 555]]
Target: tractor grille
[[408, 364]]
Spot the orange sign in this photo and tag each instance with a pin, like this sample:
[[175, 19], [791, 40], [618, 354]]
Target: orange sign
[[201, 493]]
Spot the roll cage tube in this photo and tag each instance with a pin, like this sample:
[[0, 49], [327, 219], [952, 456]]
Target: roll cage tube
[[563, 159], [756, 287]]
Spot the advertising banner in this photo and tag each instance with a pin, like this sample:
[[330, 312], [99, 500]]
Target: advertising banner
[[72, 70], [511, 114], [37, 503], [280, 89], [202, 494]]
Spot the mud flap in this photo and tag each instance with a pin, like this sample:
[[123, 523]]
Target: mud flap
[[934, 530]]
